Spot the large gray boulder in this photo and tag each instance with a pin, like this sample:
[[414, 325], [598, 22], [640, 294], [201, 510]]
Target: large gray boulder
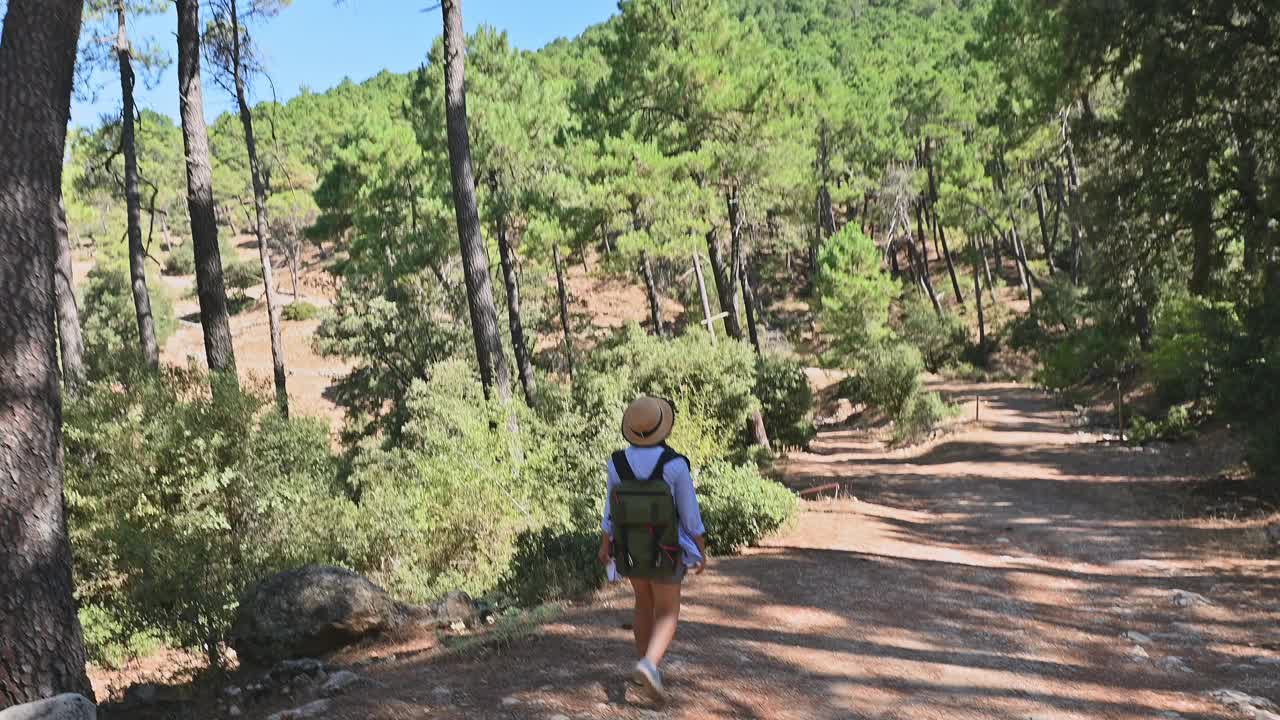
[[309, 611], [68, 706]]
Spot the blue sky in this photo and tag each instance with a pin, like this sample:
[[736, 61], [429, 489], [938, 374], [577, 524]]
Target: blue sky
[[316, 43]]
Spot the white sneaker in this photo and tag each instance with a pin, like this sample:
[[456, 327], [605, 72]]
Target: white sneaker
[[648, 677]]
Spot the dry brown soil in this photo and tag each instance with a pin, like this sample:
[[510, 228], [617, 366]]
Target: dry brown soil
[[988, 574]]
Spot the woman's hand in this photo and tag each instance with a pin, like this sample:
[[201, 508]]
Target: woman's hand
[[701, 542], [603, 555]]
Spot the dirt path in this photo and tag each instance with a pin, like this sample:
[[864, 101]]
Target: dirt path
[[990, 574]]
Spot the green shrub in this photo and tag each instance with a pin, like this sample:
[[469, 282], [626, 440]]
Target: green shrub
[[941, 339], [786, 400], [300, 310], [887, 378], [240, 275], [180, 261], [392, 340], [739, 506], [1177, 424], [1191, 340], [711, 386], [109, 322], [923, 412], [1092, 352], [552, 563], [177, 502]]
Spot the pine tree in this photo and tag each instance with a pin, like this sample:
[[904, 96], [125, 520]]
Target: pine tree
[[43, 650]]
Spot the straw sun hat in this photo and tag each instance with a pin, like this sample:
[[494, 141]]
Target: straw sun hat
[[648, 420]]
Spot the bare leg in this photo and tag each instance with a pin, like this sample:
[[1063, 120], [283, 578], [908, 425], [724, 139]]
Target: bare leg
[[666, 611], [642, 626]]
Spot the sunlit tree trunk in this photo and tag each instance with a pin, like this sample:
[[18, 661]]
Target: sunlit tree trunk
[[210, 289], [41, 650], [484, 316], [261, 223]]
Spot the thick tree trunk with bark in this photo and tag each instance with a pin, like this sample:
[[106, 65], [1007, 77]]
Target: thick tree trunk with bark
[[70, 338], [651, 292], [41, 650], [484, 316], [133, 200], [563, 296], [210, 289], [1202, 234], [524, 363], [261, 223]]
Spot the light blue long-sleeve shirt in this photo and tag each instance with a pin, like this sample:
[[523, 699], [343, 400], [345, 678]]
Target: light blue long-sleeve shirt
[[678, 478]]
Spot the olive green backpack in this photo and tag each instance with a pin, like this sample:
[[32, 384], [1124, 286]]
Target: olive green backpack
[[646, 526]]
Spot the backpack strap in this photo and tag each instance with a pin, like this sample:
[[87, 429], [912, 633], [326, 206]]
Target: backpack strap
[[622, 467]]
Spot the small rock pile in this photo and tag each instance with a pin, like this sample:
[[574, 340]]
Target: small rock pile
[[306, 680]]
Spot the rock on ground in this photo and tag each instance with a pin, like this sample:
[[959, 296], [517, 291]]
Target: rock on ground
[[310, 710], [343, 680], [309, 611], [68, 706], [1243, 702], [1186, 598]]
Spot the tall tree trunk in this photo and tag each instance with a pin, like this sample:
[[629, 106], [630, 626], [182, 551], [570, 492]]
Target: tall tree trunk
[[1038, 191], [1077, 236], [924, 247], [651, 291], [484, 317], [42, 652], [260, 217], [758, 432], [826, 213], [1250, 189], [524, 363], [210, 288], [70, 339], [133, 200], [749, 302], [986, 268], [1024, 269], [702, 293], [1202, 234], [726, 273], [941, 232], [563, 296], [982, 318]]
